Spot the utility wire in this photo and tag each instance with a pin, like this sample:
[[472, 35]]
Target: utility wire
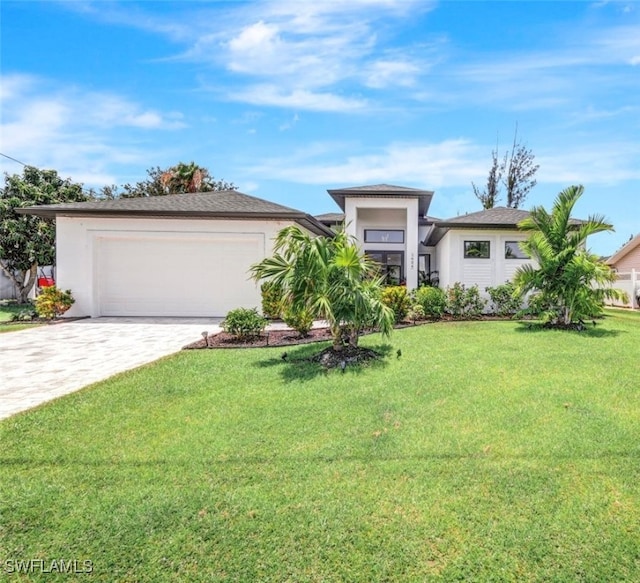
[[90, 193]]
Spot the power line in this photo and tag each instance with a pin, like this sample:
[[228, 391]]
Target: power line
[[10, 158], [91, 193]]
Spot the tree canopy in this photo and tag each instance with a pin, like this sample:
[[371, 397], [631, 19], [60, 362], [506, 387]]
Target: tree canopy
[[178, 179], [515, 173], [27, 241], [569, 282]]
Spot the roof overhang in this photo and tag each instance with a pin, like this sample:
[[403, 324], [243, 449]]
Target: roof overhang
[[303, 219], [424, 196]]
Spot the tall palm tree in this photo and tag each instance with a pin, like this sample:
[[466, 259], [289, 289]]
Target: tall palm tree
[[570, 282], [329, 278]]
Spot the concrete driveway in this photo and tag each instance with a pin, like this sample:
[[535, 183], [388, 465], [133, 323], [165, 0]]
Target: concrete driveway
[[43, 363]]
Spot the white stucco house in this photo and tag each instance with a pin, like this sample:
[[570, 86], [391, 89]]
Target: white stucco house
[[189, 254]]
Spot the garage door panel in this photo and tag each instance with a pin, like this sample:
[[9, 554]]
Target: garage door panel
[[177, 275]]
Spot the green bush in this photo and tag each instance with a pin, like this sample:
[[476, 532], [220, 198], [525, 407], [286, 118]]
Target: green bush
[[397, 298], [24, 315], [504, 300], [433, 301], [244, 323], [301, 322], [463, 302], [271, 299], [53, 302], [416, 313]]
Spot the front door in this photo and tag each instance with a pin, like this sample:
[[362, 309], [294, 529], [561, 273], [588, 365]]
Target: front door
[[391, 265]]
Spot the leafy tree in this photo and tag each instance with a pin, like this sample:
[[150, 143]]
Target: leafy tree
[[516, 173], [329, 278], [178, 179], [519, 172], [27, 241], [490, 195], [569, 282]]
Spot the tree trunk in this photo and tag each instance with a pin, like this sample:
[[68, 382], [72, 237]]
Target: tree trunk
[[23, 282], [336, 333]]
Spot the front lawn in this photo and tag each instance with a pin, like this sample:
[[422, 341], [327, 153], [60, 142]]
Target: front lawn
[[7, 310], [487, 451]]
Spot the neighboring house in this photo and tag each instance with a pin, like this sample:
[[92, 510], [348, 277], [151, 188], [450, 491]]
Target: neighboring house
[[626, 262], [189, 254], [627, 257]]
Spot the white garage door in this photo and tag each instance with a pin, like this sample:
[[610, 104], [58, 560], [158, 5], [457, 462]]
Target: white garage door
[[176, 274]]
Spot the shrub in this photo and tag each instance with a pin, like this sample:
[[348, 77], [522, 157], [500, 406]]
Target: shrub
[[433, 301], [271, 299], [504, 299], [397, 298], [53, 302], [244, 323], [24, 315], [463, 302], [416, 313], [300, 321]]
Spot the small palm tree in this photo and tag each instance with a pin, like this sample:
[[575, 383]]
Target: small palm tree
[[569, 281], [329, 278]]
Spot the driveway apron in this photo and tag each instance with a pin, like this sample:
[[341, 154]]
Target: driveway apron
[[40, 364]]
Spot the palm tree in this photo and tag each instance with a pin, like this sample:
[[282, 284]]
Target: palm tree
[[184, 178], [329, 278], [569, 282]]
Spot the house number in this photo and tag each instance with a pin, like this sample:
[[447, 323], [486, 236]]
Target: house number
[[412, 260]]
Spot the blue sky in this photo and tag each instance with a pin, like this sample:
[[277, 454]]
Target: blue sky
[[289, 98]]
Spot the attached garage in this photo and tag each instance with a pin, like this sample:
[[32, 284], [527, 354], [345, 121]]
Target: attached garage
[[175, 274], [185, 255]]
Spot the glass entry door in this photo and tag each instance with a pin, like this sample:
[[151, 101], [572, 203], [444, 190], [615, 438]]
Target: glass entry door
[[391, 265]]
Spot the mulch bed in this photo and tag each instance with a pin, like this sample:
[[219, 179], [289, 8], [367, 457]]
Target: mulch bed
[[292, 338], [270, 338]]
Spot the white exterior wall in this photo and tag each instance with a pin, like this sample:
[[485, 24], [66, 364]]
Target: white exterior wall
[[387, 213], [81, 242], [494, 271]]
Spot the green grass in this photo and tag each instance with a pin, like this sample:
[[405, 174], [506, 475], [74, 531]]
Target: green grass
[[6, 312], [487, 452]]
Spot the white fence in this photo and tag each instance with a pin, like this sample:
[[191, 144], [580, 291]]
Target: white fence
[[7, 289], [628, 281]]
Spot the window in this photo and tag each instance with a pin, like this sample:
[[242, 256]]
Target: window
[[512, 250], [383, 236], [391, 265], [477, 249]]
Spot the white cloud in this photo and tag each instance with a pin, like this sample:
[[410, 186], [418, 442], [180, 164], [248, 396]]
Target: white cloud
[[385, 73], [74, 131], [298, 99], [451, 163]]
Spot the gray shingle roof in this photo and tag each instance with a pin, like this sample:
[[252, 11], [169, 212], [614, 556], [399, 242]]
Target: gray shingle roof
[[332, 218], [383, 191], [380, 189], [497, 216], [220, 204]]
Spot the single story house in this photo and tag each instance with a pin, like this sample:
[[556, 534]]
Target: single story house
[[626, 262], [189, 254]]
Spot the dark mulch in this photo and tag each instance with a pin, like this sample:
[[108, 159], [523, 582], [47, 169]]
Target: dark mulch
[[271, 338]]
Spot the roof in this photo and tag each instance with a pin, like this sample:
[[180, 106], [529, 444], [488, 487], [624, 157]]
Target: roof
[[495, 218], [624, 250], [330, 218], [383, 191], [228, 204], [499, 216]]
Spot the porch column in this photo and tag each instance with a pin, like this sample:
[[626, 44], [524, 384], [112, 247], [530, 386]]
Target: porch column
[[412, 245]]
